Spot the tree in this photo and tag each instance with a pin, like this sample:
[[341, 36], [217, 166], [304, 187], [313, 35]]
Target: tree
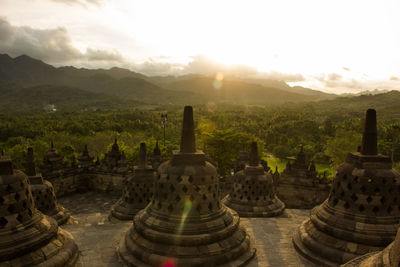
[[341, 144]]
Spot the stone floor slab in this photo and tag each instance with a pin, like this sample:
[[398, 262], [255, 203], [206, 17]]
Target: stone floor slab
[[98, 237]]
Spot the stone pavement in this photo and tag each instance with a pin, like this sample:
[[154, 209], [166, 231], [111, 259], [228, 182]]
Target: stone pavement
[[97, 237]]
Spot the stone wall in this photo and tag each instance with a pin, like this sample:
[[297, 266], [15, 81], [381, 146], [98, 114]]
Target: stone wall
[[69, 182], [297, 195]]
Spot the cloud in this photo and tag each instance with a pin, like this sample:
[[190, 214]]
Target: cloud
[[51, 45], [337, 83], [346, 69], [203, 65], [55, 46], [334, 77], [80, 2]]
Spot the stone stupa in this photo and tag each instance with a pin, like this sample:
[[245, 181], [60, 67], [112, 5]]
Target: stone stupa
[[389, 257], [137, 191], [299, 185], [43, 193], [85, 161], [253, 192], [53, 163], [185, 224], [114, 160], [361, 214], [27, 237], [156, 159]]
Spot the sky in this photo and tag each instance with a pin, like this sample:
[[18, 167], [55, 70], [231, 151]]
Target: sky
[[337, 46]]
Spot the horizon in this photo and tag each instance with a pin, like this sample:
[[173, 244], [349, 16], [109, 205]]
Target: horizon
[[331, 47], [217, 77]]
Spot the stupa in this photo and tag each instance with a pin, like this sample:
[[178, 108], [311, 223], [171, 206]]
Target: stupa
[[253, 192], [299, 185], [156, 159], [185, 224], [52, 162], [43, 193], [389, 257], [115, 160], [137, 191], [85, 160], [361, 214], [27, 237]]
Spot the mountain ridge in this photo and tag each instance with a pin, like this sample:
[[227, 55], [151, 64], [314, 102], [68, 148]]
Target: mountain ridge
[[26, 72]]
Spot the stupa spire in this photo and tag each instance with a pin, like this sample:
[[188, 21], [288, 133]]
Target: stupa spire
[[157, 151], [142, 156], [5, 165], [254, 160], [188, 143], [369, 144], [30, 163]]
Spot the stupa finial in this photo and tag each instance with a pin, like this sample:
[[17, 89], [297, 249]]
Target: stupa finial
[[142, 155], [5, 165], [157, 151], [30, 163], [369, 144], [254, 160], [188, 143]]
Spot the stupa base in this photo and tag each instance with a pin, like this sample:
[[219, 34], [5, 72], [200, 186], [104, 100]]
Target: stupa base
[[61, 216], [130, 254], [60, 251], [326, 250], [245, 209], [124, 213]]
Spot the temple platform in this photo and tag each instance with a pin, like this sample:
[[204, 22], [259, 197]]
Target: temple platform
[[97, 237]]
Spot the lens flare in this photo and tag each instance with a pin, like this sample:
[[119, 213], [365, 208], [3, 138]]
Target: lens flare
[[219, 76], [218, 82], [186, 209], [168, 263]]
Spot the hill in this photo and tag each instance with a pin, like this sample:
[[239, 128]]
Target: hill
[[27, 72], [237, 92], [48, 97]]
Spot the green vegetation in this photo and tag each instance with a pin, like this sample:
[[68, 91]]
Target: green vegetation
[[73, 107], [326, 133]]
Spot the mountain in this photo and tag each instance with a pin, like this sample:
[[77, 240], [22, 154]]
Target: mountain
[[367, 92], [26, 72], [237, 92], [45, 97], [318, 95], [384, 103]]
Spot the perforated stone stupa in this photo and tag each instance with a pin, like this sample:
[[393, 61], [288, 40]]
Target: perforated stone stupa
[[156, 159], [43, 193], [137, 191], [27, 237], [253, 192], [362, 212], [299, 185], [85, 161], [53, 163], [185, 224], [114, 160], [389, 257]]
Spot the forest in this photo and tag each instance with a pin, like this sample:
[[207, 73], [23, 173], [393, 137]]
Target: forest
[[327, 130]]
